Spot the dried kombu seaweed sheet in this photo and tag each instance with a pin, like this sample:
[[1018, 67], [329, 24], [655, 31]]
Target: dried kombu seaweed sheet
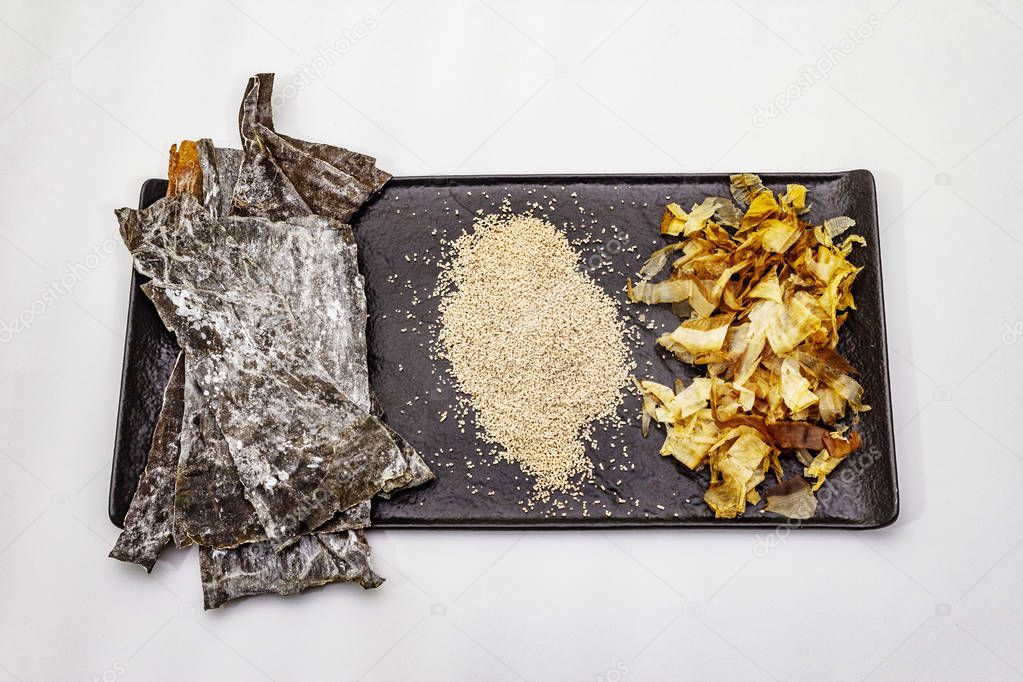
[[283, 177], [353, 518], [302, 450], [251, 310], [256, 273], [219, 173], [419, 471], [353, 179], [147, 526], [294, 281], [223, 165], [210, 507], [257, 569]]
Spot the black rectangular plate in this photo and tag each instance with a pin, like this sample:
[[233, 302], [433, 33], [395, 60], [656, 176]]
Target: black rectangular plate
[[620, 215]]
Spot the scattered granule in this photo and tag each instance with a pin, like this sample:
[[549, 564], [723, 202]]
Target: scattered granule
[[537, 349]]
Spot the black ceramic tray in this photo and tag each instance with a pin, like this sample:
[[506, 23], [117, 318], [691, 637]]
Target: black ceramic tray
[[620, 216]]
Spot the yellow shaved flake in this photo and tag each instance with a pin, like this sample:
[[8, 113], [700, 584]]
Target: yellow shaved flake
[[744, 186], [660, 392], [794, 199], [690, 400], [822, 465], [669, 291], [838, 225], [702, 335], [795, 389], [777, 235], [768, 287], [674, 220], [689, 443], [830, 404], [699, 216], [760, 209], [741, 469], [788, 324], [657, 261]]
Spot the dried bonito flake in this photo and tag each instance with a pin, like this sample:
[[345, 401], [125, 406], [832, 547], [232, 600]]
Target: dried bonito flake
[[763, 295], [792, 498]]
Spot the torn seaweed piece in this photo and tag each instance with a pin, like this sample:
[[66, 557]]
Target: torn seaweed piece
[[210, 507], [208, 499], [353, 518], [257, 569], [147, 526], [282, 177], [219, 173], [188, 172], [418, 471]]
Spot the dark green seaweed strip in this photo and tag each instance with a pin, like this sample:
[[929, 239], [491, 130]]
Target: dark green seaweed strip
[[147, 526], [257, 569]]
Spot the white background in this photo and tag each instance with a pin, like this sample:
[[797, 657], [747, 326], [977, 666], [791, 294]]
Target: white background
[[92, 96]]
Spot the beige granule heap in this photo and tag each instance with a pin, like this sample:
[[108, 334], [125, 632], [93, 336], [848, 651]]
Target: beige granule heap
[[535, 345]]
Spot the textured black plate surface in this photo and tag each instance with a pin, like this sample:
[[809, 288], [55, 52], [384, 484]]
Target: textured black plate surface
[[614, 221]]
